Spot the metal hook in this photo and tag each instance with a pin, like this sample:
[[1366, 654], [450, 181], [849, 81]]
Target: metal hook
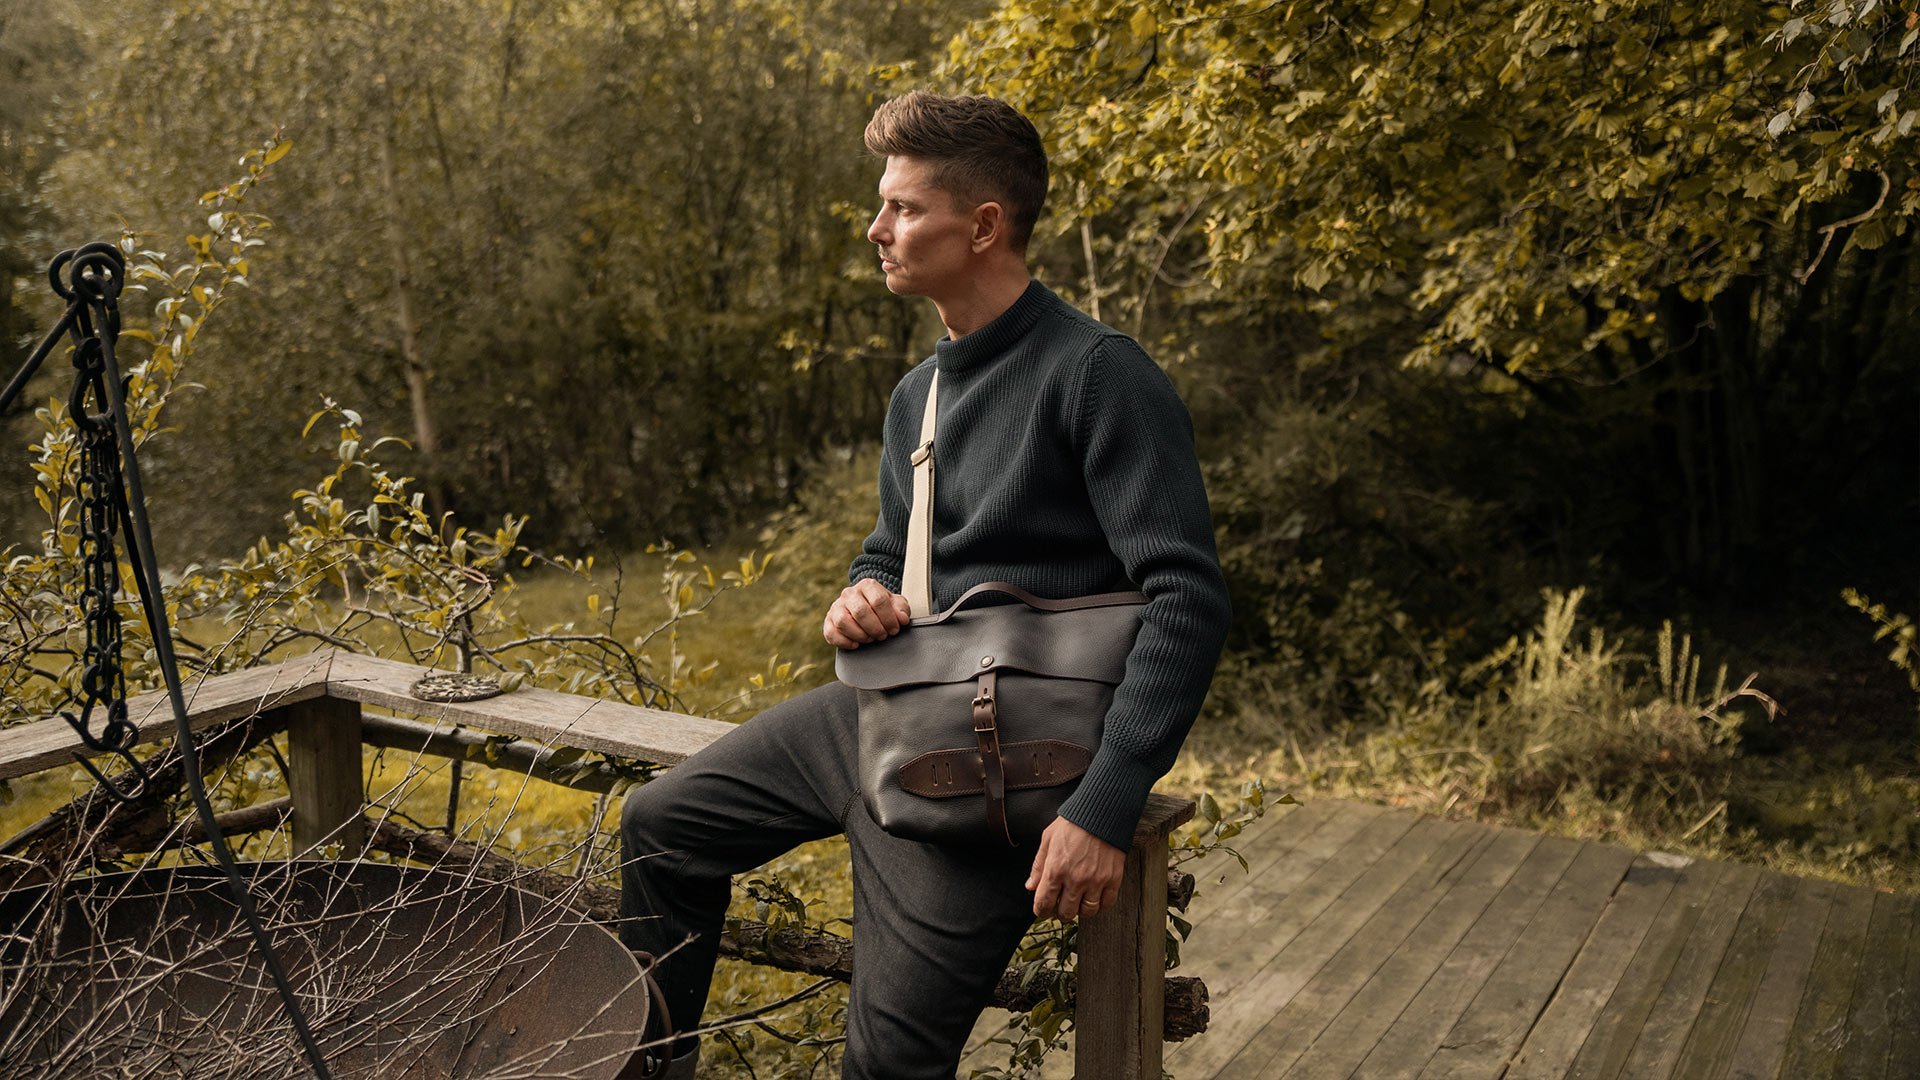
[[121, 749], [140, 782]]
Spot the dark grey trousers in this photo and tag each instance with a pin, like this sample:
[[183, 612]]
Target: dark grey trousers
[[933, 927]]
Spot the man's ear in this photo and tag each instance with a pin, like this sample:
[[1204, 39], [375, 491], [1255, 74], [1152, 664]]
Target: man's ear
[[989, 225]]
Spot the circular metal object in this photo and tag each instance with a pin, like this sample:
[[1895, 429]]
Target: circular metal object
[[449, 687], [986, 661], [405, 972]]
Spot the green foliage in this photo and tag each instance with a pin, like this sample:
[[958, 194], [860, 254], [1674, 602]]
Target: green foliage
[[44, 634], [1555, 723], [1557, 712], [1305, 518], [601, 266], [39, 48], [1895, 627], [1834, 814], [1532, 169], [1573, 210]]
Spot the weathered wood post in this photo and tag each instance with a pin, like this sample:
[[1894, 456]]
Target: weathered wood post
[[323, 752], [1119, 1011]]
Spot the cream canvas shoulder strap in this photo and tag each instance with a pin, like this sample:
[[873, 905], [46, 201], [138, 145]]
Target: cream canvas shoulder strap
[[916, 578]]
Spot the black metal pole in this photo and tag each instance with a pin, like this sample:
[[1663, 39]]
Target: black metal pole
[[32, 365], [100, 292]]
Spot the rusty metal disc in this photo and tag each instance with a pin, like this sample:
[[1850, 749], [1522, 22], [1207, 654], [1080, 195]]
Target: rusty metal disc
[[449, 687], [406, 973]]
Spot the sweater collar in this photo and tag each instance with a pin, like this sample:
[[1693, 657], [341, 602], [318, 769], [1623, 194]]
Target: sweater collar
[[994, 338]]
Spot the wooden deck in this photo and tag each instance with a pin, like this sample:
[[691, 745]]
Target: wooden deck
[[1373, 944]]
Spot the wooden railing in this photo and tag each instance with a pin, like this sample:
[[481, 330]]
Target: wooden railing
[[1125, 1007]]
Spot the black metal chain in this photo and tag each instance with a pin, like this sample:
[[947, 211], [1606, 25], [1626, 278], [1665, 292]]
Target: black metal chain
[[103, 682], [110, 497]]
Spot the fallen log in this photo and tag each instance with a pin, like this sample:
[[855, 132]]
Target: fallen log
[[96, 827], [559, 765]]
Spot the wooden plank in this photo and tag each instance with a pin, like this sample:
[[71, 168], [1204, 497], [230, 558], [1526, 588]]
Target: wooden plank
[[1272, 838], [1408, 1044], [1869, 1019], [1618, 1026], [1263, 919], [1730, 999], [1904, 1042], [1281, 825], [1229, 948], [1762, 1044], [1820, 1029], [1278, 1044], [554, 719], [1876, 987], [1550, 1047], [1312, 926], [1678, 1005], [50, 742], [1118, 1023], [324, 778], [1485, 1037], [1340, 1048], [1341, 835], [1278, 828]]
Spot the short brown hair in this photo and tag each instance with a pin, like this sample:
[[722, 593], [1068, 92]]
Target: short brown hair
[[981, 148]]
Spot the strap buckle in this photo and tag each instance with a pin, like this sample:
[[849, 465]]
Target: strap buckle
[[985, 716], [923, 453]]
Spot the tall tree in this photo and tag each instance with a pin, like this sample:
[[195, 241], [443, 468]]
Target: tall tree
[[596, 260]]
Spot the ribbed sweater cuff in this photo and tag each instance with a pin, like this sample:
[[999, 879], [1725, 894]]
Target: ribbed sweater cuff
[[1111, 796], [892, 583]]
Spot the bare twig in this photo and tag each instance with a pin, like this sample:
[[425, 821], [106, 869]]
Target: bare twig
[[1827, 231]]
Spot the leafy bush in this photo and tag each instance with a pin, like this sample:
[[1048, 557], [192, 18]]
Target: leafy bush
[[1552, 722], [1556, 712], [1893, 626]]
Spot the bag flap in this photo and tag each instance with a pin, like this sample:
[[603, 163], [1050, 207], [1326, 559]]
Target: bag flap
[[1091, 643]]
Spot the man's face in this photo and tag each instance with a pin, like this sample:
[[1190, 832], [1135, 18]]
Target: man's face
[[925, 241]]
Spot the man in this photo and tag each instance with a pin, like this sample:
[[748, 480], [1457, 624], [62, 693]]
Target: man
[[1066, 467]]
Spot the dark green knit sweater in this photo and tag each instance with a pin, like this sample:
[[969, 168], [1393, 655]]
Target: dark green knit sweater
[[1066, 466]]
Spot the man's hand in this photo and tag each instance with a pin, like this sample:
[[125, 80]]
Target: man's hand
[[1076, 873], [865, 612]]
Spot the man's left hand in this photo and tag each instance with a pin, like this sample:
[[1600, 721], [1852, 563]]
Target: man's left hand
[[1075, 874]]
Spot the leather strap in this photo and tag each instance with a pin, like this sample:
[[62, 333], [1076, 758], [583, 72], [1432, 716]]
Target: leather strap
[[1039, 763], [1038, 603], [986, 721], [916, 578]]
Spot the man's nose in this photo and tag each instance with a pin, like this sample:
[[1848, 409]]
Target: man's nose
[[877, 233]]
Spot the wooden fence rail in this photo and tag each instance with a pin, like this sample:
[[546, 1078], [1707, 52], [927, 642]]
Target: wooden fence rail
[[1122, 994]]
